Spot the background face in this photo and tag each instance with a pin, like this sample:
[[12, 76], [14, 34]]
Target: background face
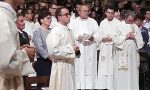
[[52, 10], [117, 15], [20, 23], [110, 14], [129, 20], [138, 22], [29, 15], [84, 12], [147, 15], [46, 21], [65, 16]]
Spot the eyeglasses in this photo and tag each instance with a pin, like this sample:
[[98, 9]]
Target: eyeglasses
[[53, 8], [30, 13], [85, 11], [110, 12], [66, 14], [48, 17], [148, 13]]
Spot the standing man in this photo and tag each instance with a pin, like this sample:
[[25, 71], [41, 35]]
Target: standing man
[[12, 59], [84, 30], [23, 36], [127, 42], [105, 66], [61, 47]]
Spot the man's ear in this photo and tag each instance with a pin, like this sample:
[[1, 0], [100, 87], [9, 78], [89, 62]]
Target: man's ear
[[41, 20], [59, 18]]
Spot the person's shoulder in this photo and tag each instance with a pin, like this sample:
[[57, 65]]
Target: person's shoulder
[[56, 29], [144, 28], [74, 20], [3, 19], [92, 20], [38, 30], [116, 20], [103, 21]]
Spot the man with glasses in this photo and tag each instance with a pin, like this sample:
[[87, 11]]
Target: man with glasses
[[52, 10], [105, 66], [127, 42], [62, 49], [85, 30], [13, 62]]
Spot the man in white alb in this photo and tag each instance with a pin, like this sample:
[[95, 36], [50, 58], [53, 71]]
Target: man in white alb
[[127, 42], [85, 30], [61, 47], [105, 66]]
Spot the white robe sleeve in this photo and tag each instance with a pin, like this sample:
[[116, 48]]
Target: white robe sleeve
[[96, 34], [55, 46], [119, 39]]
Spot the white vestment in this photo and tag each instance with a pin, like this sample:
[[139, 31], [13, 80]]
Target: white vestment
[[86, 64], [60, 43], [29, 28], [53, 22], [105, 65], [126, 57], [13, 62]]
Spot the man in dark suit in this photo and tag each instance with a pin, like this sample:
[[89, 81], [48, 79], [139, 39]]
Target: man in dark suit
[[23, 36]]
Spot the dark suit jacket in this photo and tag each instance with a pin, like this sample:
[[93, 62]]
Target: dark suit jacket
[[23, 38]]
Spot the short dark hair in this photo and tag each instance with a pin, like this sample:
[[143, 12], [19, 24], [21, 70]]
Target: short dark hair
[[139, 16], [145, 10], [109, 7], [58, 11], [51, 4], [27, 10], [42, 14], [20, 14]]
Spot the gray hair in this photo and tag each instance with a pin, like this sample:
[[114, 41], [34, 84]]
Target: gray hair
[[129, 13]]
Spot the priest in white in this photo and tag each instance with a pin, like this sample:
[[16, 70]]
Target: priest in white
[[61, 47], [105, 66], [126, 56], [13, 62], [85, 30]]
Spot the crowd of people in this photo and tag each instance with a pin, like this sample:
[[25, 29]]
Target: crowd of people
[[98, 45]]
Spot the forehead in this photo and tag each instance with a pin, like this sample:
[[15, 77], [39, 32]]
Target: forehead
[[29, 11], [54, 5], [130, 17], [148, 12], [20, 18], [84, 8], [109, 10], [64, 10]]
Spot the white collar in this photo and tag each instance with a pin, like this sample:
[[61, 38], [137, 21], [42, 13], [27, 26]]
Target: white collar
[[63, 26], [83, 19]]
